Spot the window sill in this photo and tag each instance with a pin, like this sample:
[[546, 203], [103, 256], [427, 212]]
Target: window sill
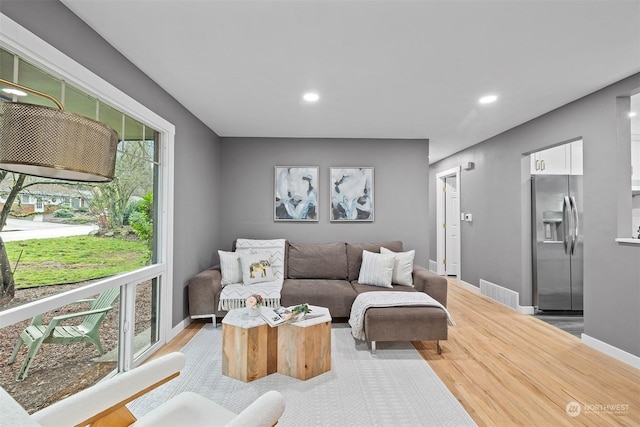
[[628, 241]]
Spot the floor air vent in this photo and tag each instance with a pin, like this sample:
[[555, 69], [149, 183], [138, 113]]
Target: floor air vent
[[498, 293]]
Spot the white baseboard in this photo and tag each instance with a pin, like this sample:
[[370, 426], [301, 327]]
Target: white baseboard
[[612, 351], [527, 309], [469, 286], [178, 328]]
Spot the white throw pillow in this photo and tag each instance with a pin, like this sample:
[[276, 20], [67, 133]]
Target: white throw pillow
[[230, 267], [376, 269], [256, 268], [403, 266]]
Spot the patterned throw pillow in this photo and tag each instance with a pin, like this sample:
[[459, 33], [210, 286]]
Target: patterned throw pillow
[[376, 269], [403, 266], [256, 268], [275, 247]]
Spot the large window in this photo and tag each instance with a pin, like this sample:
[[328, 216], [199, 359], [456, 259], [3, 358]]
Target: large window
[[125, 245], [120, 210]]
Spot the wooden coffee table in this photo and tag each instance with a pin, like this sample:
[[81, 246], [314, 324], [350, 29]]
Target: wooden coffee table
[[304, 348], [252, 349], [249, 346]]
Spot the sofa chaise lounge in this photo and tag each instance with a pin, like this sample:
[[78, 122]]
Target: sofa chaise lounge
[[326, 274]]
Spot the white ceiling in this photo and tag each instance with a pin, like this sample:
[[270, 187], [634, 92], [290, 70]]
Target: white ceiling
[[383, 69]]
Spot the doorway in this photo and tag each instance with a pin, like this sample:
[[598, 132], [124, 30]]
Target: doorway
[[557, 227], [448, 222]]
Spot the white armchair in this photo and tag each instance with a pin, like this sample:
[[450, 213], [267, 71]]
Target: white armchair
[[104, 403]]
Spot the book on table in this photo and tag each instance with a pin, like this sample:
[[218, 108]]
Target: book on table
[[275, 316], [278, 316]]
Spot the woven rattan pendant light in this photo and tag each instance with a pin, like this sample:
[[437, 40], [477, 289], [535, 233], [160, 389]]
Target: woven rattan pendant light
[[53, 143]]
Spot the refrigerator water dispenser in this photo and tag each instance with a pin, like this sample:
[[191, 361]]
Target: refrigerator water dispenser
[[552, 226]]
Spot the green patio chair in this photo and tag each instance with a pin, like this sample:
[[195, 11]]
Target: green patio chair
[[37, 334]]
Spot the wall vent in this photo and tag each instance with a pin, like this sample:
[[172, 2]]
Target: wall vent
[[433, 266], [498, 293]]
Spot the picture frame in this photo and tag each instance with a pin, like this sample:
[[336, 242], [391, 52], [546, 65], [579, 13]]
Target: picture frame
[[296, 193], [352, 194]]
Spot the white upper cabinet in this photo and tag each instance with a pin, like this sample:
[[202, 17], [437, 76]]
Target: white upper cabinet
[[575, 149], [552, 161], [564, 159]]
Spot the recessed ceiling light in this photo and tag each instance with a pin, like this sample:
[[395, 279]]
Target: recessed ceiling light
[[14, 91], [488, 99], [632, 114], [311, 97]]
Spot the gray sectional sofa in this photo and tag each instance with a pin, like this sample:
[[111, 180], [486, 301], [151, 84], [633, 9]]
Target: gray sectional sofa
[[326, 274]]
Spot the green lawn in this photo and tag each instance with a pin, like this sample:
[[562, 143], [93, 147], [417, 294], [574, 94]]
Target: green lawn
[[73, 259]]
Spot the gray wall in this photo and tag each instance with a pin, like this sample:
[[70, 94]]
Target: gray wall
[[197, 148], [496, 245], [400, 194]]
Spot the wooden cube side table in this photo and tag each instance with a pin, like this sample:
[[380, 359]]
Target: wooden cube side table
[[249, 346], [304, 348]]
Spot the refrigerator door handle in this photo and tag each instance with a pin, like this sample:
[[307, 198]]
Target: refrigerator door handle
[[566, 206], [574, 213]]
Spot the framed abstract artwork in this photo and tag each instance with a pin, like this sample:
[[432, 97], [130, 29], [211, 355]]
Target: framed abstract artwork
[[351, 194], [296, 193]]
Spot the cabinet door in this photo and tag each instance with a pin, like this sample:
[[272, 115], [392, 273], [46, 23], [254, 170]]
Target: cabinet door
[[552, 161], [536, 165], [576, 157]]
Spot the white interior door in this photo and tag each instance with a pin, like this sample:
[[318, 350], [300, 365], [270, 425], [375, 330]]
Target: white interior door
[[452, 228], [448, 211]]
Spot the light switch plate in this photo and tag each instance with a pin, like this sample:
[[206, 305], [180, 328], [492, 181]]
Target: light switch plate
[[468, 217]]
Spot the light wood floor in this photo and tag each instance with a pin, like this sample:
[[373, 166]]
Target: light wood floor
[[509, 369]]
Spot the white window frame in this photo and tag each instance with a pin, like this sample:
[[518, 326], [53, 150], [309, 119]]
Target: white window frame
[[27, 45]]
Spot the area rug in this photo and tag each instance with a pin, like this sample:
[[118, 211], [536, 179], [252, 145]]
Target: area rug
[[394, 387]]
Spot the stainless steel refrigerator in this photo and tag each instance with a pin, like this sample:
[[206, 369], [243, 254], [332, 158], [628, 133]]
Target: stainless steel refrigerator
[[557, 242]]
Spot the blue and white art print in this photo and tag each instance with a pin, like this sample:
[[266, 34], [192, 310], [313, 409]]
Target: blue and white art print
[[296, 193], [351, 194]]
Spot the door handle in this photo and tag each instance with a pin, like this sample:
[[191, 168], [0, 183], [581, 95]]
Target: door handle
[[574, 213], [566, 205]]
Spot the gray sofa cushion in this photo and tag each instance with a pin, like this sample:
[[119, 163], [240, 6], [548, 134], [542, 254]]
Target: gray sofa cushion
[[354, 254], [317, 261], [337, 295], [415, 323]]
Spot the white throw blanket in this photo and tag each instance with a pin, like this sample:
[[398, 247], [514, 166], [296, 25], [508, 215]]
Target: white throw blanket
[[366, 300], [235, 295]]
